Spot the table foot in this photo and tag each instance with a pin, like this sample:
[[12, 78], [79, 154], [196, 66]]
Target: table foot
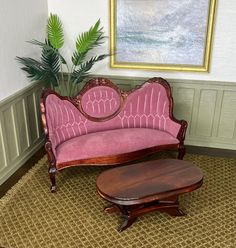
[[128, 221], [111, 209], [130, 213], [170, 206], [173, 211]]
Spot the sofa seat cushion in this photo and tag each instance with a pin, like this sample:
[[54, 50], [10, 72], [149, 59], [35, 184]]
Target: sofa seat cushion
[[111, 142]]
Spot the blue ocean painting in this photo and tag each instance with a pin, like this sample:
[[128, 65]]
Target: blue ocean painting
[[161, 31]]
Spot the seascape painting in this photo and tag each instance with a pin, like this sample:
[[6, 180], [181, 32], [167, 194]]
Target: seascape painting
[[163, 32]]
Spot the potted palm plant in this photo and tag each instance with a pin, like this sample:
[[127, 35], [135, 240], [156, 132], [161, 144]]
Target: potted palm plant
[[51, 66]]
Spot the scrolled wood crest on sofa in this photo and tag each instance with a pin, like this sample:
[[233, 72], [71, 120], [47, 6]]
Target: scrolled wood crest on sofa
[[104, 125]]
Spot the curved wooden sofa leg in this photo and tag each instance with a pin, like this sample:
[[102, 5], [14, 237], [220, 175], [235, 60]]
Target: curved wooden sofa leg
[[181, 138], [181, 152], [52, 175], [52, 165]]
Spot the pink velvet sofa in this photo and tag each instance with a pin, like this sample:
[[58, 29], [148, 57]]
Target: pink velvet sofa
[[104, 125]]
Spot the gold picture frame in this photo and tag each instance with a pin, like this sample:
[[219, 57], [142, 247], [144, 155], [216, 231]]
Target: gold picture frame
[[122, 47]]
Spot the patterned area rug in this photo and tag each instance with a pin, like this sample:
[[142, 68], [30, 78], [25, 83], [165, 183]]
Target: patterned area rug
[[31, 216]]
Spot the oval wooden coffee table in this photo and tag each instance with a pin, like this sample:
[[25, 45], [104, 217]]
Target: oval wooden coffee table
[[140, 188]]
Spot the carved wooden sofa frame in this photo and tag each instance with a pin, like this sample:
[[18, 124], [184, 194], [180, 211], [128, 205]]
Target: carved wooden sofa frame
[[103, 113]]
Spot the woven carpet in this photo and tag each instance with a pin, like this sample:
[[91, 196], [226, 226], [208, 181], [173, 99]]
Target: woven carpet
[[31, 216]]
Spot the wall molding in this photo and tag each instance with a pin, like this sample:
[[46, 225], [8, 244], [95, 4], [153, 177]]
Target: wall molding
[[21, 134], [209, 108]]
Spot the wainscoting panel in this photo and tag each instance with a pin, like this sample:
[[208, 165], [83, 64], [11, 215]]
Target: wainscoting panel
[[2, 152], [227, 123], [208, 107], [20, 129], [184, 103], [21, 122], [9, 135], [206, 112], [37, 105], [30, 99]]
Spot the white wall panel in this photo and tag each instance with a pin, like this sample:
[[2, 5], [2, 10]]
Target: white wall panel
[[78, 16], [20, 21]]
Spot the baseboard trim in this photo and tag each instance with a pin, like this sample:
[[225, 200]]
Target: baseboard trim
[[22, 170], [216, 152], [21, 161]]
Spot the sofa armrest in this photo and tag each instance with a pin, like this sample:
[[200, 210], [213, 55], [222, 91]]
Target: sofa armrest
[[173, 127], [61, 119], [182, 131]]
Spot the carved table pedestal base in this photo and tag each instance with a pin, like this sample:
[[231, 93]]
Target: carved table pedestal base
[[130, 213]]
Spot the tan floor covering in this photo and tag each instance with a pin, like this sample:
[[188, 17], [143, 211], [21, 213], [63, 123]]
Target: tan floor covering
[[31, 216]]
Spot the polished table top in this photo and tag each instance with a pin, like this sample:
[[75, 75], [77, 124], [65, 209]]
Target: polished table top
[[148, 181]]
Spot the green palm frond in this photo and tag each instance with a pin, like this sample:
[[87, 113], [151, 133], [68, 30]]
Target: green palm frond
[[49, 67], [50, 58], [55, 31], [34, 68], [88, 40], [48, 47], [46, 70], [51, 64], [78, 58], [79, 75]]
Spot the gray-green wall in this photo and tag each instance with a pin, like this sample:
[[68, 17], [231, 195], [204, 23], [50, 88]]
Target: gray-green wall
[[209, 107], [21, 132]]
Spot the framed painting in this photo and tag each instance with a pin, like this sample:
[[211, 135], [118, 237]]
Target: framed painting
[[161, 34]]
